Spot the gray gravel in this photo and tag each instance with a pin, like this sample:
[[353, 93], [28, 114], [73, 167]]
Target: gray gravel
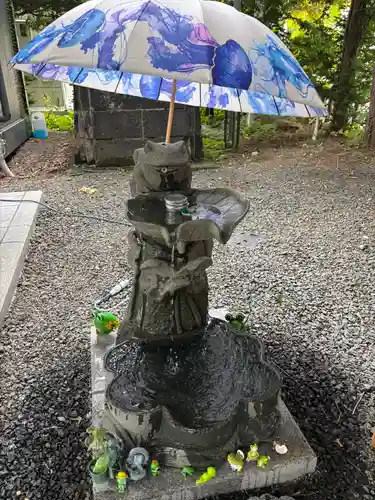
[[306, 258], [270, 497]]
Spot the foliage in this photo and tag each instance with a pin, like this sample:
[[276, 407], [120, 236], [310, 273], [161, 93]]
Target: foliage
[[97, 442], [213, 120], [100, 466], [42, 12], [214, 149], [354, 133], [57, 121], [261, 132], [60, 122]]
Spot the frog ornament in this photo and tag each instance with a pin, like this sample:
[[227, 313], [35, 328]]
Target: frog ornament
[[206, 476], [263, 461], [253, 454], [237, 321], [236, 461]]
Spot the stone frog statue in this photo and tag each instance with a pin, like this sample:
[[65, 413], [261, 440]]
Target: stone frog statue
[[161, 167]]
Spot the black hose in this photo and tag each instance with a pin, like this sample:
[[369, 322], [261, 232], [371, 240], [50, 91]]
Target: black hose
[[5, 116]]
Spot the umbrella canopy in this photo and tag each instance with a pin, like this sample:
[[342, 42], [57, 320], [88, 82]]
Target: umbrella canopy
[[197, 52], [190, 93]]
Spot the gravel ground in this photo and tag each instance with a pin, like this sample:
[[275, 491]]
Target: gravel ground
[[310, 277]]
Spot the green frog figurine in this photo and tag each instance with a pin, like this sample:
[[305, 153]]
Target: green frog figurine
[[253, 453], [237, 321], [155, 468], [105, 322], [236, 460], [206, 476], [263, 461], [187, 472]]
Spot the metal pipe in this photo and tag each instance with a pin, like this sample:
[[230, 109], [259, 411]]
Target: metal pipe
[[6, 116], [3, 164]]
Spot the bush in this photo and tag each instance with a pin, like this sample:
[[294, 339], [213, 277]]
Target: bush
[[55, 120], [215, 120], [60, 122], [261, 132], [214, 149]]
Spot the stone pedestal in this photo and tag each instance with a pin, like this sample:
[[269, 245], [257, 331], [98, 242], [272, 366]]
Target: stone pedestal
[[170, 485]]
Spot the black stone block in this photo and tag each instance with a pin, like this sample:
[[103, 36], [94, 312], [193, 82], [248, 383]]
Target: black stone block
[[154, 122], [116, 152], [117, 124]]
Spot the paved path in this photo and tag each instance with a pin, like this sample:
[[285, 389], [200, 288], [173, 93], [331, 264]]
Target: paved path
[[17, 220]]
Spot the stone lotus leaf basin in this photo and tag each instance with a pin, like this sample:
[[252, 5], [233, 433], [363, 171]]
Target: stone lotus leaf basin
[[219, 211], [198, 391]]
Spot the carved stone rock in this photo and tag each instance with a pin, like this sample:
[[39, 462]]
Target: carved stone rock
[[188, 389]]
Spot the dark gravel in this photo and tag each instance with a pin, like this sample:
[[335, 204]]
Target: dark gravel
[[311, 282]]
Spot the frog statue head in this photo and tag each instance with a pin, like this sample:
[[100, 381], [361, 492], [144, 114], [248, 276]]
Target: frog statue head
[[161, 167]]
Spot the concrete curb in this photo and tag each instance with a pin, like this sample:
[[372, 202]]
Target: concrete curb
[[17, 222]]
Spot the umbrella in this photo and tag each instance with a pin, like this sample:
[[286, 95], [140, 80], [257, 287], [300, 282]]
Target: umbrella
[[196, 52]]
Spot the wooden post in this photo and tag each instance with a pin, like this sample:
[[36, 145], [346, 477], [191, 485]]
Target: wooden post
[[171, 112]]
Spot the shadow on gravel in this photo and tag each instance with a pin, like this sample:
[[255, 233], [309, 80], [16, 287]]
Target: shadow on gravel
[[323, 406], [43, 456]]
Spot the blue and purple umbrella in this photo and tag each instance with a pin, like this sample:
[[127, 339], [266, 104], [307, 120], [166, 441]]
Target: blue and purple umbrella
[[195, 52]]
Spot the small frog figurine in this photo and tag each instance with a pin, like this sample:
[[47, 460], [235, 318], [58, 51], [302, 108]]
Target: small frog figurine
[[155, 468], [187, 472], [236, 460], [236, 321], [105, 322], [121, 479], [263, 461], [206, 476], [253, 453]]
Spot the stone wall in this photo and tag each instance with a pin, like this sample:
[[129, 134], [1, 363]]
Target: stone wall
[[109, 127]]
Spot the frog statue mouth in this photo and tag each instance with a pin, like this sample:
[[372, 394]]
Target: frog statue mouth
[[188, 388]]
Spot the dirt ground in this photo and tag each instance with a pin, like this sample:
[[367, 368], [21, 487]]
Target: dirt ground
[[43, 159]]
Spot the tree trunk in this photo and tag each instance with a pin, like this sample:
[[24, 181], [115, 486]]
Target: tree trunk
[[370, 129], [356, 26]]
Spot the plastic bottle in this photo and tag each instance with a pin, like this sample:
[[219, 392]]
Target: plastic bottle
[[38, 123]]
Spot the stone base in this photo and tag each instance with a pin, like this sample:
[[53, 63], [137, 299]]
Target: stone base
[[171, 485]]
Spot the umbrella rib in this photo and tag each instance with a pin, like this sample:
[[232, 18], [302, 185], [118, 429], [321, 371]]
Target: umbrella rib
[[277, 107], [161, 83], [119, 80], [76, 78], [42, 66], [239, 100]]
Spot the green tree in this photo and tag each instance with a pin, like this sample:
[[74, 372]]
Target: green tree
[[44, 9], [357, 25], [370, 130]]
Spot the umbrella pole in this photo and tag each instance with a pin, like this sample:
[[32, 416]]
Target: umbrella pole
[[171, 112]]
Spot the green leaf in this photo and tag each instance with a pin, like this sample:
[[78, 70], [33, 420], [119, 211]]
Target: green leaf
[[101, 464]]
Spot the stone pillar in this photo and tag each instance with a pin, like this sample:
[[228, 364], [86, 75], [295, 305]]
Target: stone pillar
[[110, 127]]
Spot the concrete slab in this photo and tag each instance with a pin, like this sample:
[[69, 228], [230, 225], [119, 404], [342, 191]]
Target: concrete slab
[[170, 485], [17, 221]]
